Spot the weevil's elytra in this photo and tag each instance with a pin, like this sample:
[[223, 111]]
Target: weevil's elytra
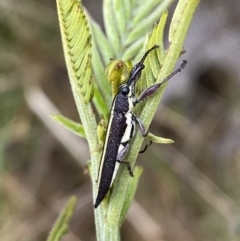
[[121, 126]]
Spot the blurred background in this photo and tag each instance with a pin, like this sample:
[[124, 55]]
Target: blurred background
[[189, 190]]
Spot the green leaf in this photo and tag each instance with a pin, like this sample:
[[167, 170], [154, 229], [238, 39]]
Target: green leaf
[[158, 139], [159, 36], [126, 22], [120, 16], [110, 25], [131, 51], [100, 103], [77, 49], [142, 25], [60, 227], [73, 126], [101, 131], [100, 59], [102, 43], [121, 199], [144, 9], [101, 82], [77, 46], [130, 193]]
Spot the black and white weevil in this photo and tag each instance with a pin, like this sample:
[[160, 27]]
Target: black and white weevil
[[121, 126]]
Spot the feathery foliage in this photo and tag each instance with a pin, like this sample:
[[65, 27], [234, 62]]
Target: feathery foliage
[[126, 24]]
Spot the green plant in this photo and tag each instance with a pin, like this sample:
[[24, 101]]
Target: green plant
[[61, 225], [87, 55]]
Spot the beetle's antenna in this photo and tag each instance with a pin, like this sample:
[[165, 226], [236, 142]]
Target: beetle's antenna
[[147, 52]]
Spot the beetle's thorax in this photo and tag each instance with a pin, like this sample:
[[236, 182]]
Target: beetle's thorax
[[123, 101]]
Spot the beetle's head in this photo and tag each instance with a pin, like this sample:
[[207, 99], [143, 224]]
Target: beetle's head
[[136, 71]]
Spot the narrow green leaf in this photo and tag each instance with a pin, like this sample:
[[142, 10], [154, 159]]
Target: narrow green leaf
[[111, 233], [73, 126], [144, 10], [143, 48], [121, 197], [184, 12], [120, 16], [175, 20], [143, 26], [99, 74], [101, 42], [101, 131], [133, 2], [137, 32], [133, 49], [100, 104], [158, 139], [126, 4], [156, 38], [110, 26], [73, 24], [89, 93], [60, 227], [77, 44], [130, 193], [159, 36], [153, 62]]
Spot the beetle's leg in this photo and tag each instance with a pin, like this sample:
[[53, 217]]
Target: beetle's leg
[[147, 92], [146, 147], [120, 156], [142, 130], [128, 166], [123, 152], [141, 126]]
